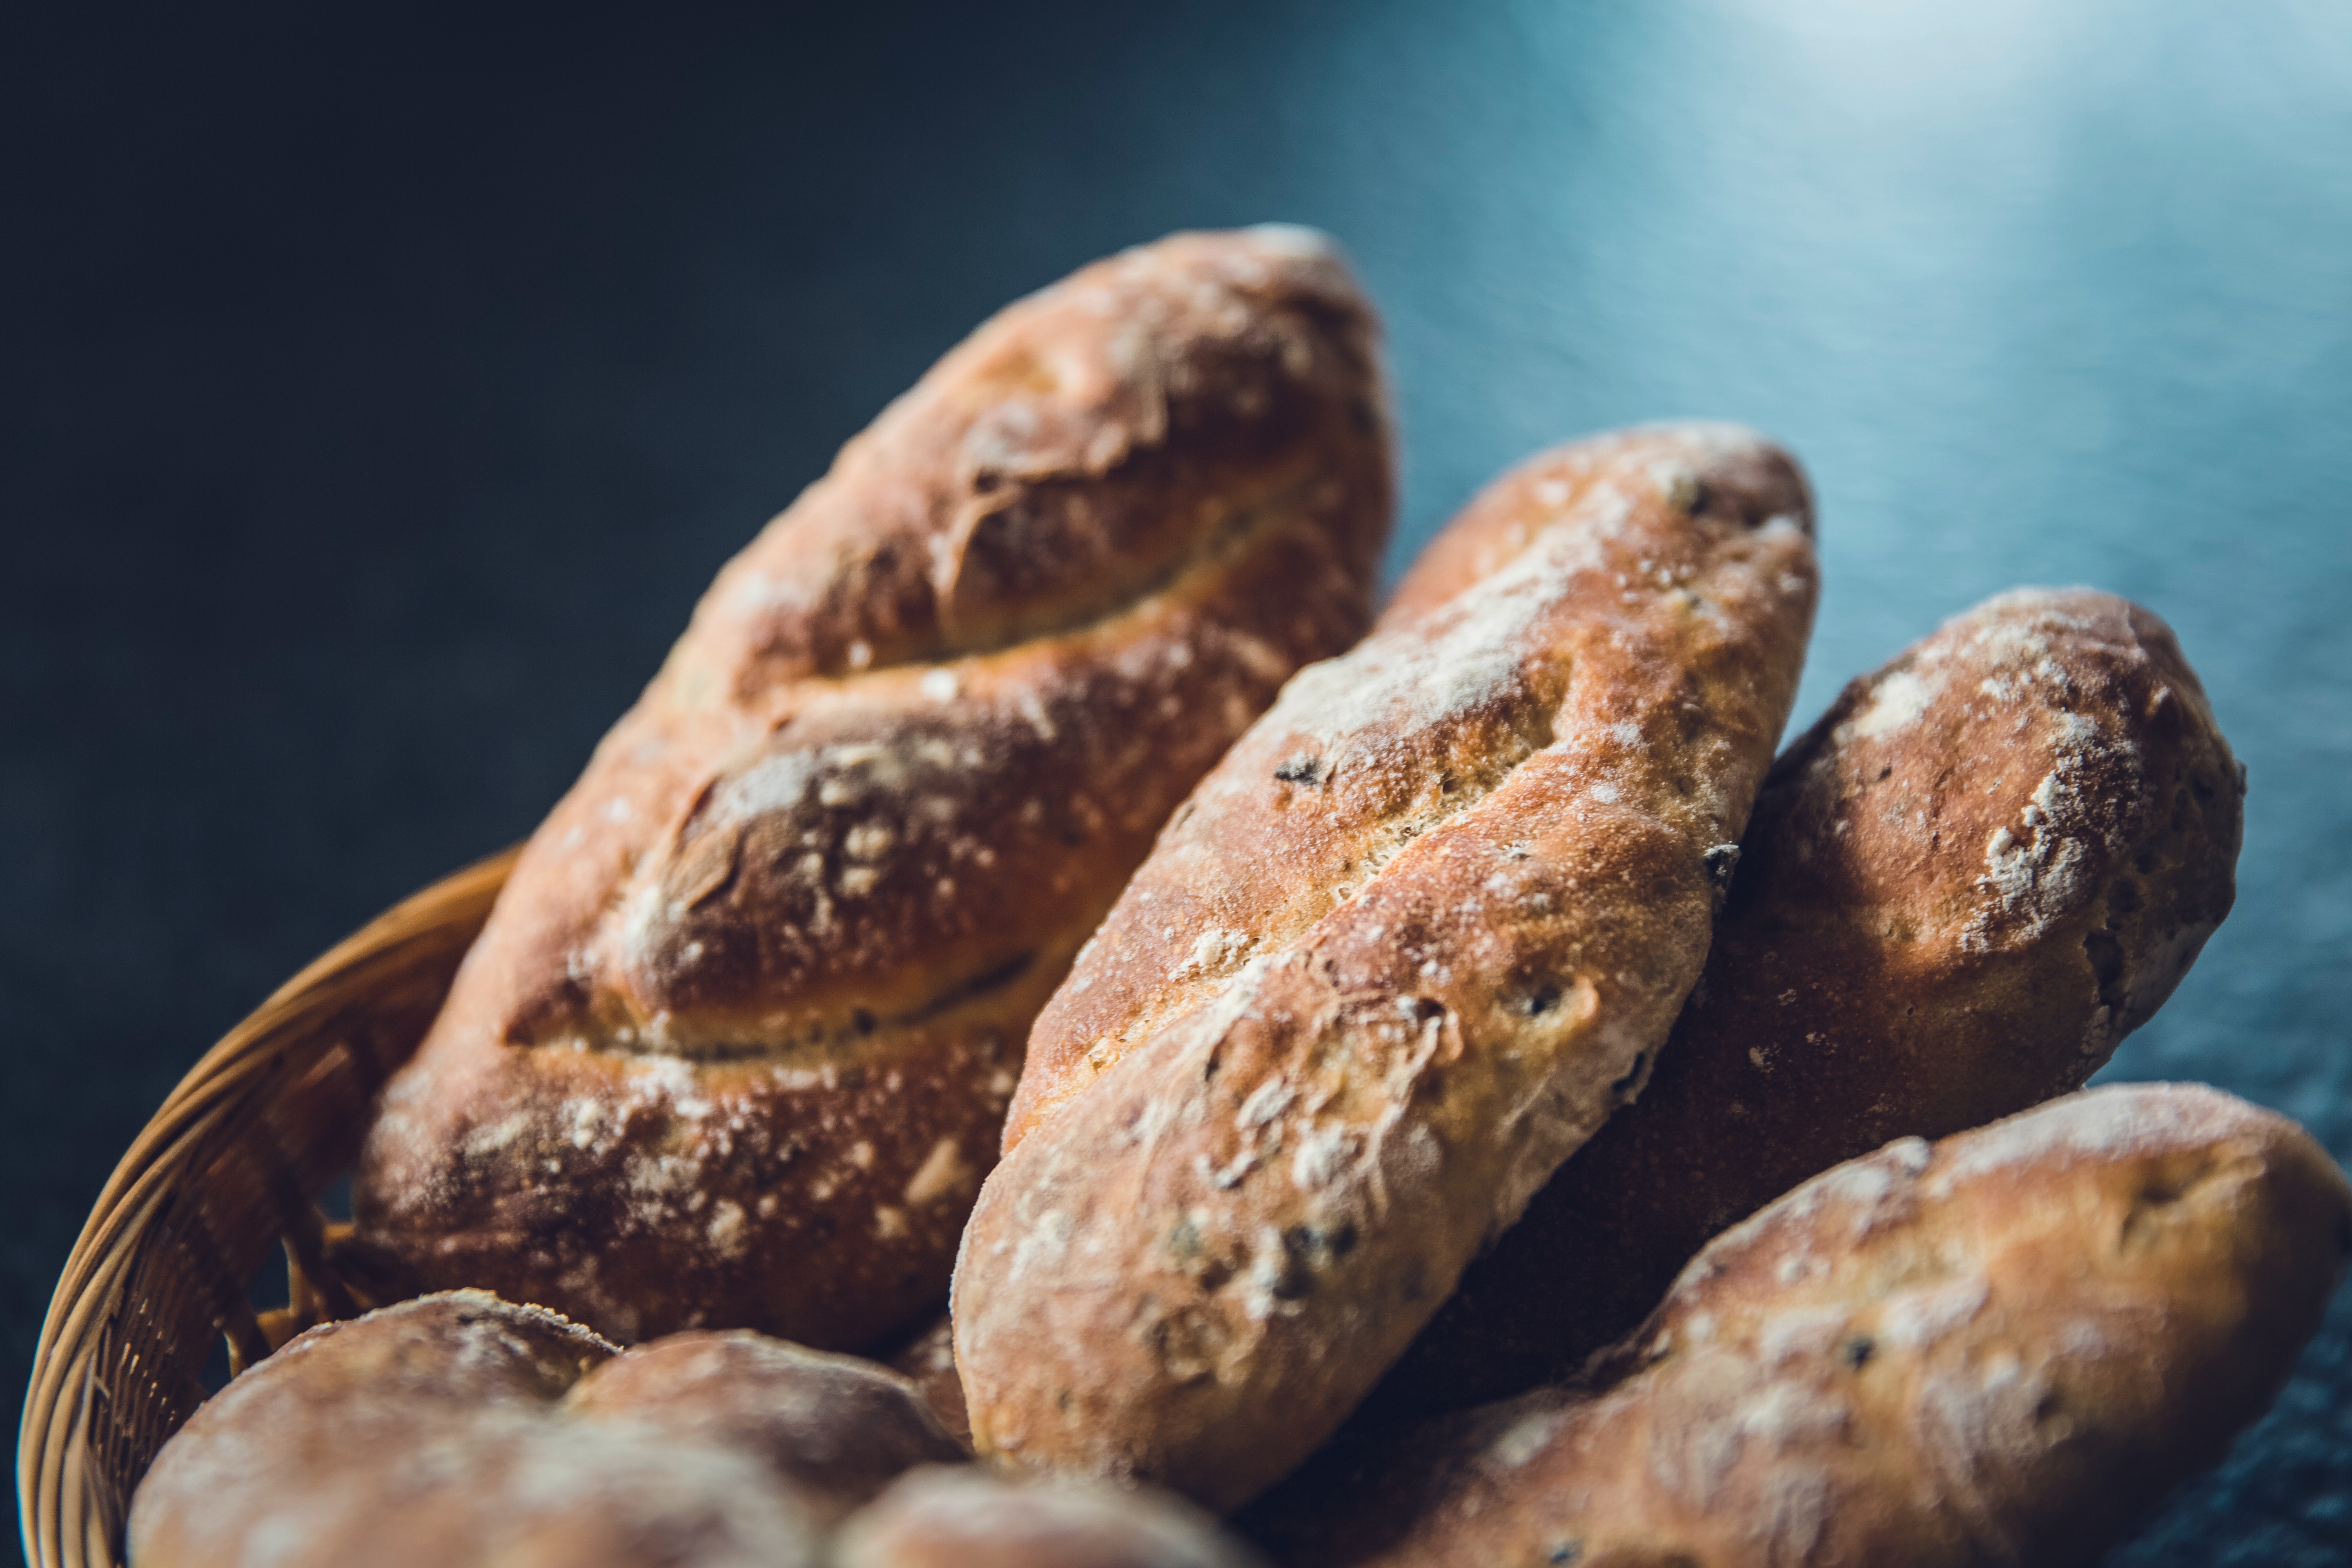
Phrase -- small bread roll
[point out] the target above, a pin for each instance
(1986, 864)
(735, 1045)
(1401, 951)
(2000, 1348)
(966, 1517)
(841, 1428)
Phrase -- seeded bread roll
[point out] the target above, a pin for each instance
(1988, 863)
(1403, 950)
(735, 1045)
(2001, 1348)
(432, 1432)
(966, 1517)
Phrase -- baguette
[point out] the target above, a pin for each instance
(735, 1045)
(1986, 864)
(2003, 1348)
(1417, 934)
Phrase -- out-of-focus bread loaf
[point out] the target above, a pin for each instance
(434, 1431)
(966, 1517)
(839, 1427)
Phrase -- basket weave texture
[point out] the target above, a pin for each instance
(231, 1166)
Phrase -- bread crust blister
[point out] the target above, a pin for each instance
(736, 1045)
(1989, 861)
(1400, 953)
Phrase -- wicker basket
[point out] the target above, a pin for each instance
(231, 1164)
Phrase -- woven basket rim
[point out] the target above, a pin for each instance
(69, 1516)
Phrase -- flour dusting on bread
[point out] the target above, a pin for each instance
(1471, 862)
(736, 1043)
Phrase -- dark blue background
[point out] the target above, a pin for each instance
(379, 392)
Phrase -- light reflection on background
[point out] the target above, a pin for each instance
(2053, 293)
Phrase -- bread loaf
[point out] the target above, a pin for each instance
(434, 1431)
(838, 1428)
(2002, 1348)
(1987, 862)
(459, 1428)
(966, 1517)
(1400, 953)
(735, 1045)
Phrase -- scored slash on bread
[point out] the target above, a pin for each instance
(1461, 882)
(736, 1044)
(2003, 1348)
(1986, 864)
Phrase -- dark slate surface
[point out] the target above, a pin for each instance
(379, 394)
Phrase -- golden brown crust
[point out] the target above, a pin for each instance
(1987, 862)
(735, 1044)
(966, 1517)
(2001, 1348)
(1282, 832)
(1499, 524)
(1400, 953)
(839, 1427)
(427, 1433)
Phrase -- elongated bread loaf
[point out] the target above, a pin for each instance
(2000, 1348)
(736, 1045)
(1987, 862)
(1417, 934)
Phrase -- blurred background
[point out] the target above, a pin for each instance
(378, 390)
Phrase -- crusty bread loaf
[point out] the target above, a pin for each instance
(2000, 1348)
(1987, 862)
(1399, 955)
(966, 1517)
(735, 1045)
(430, 1433)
